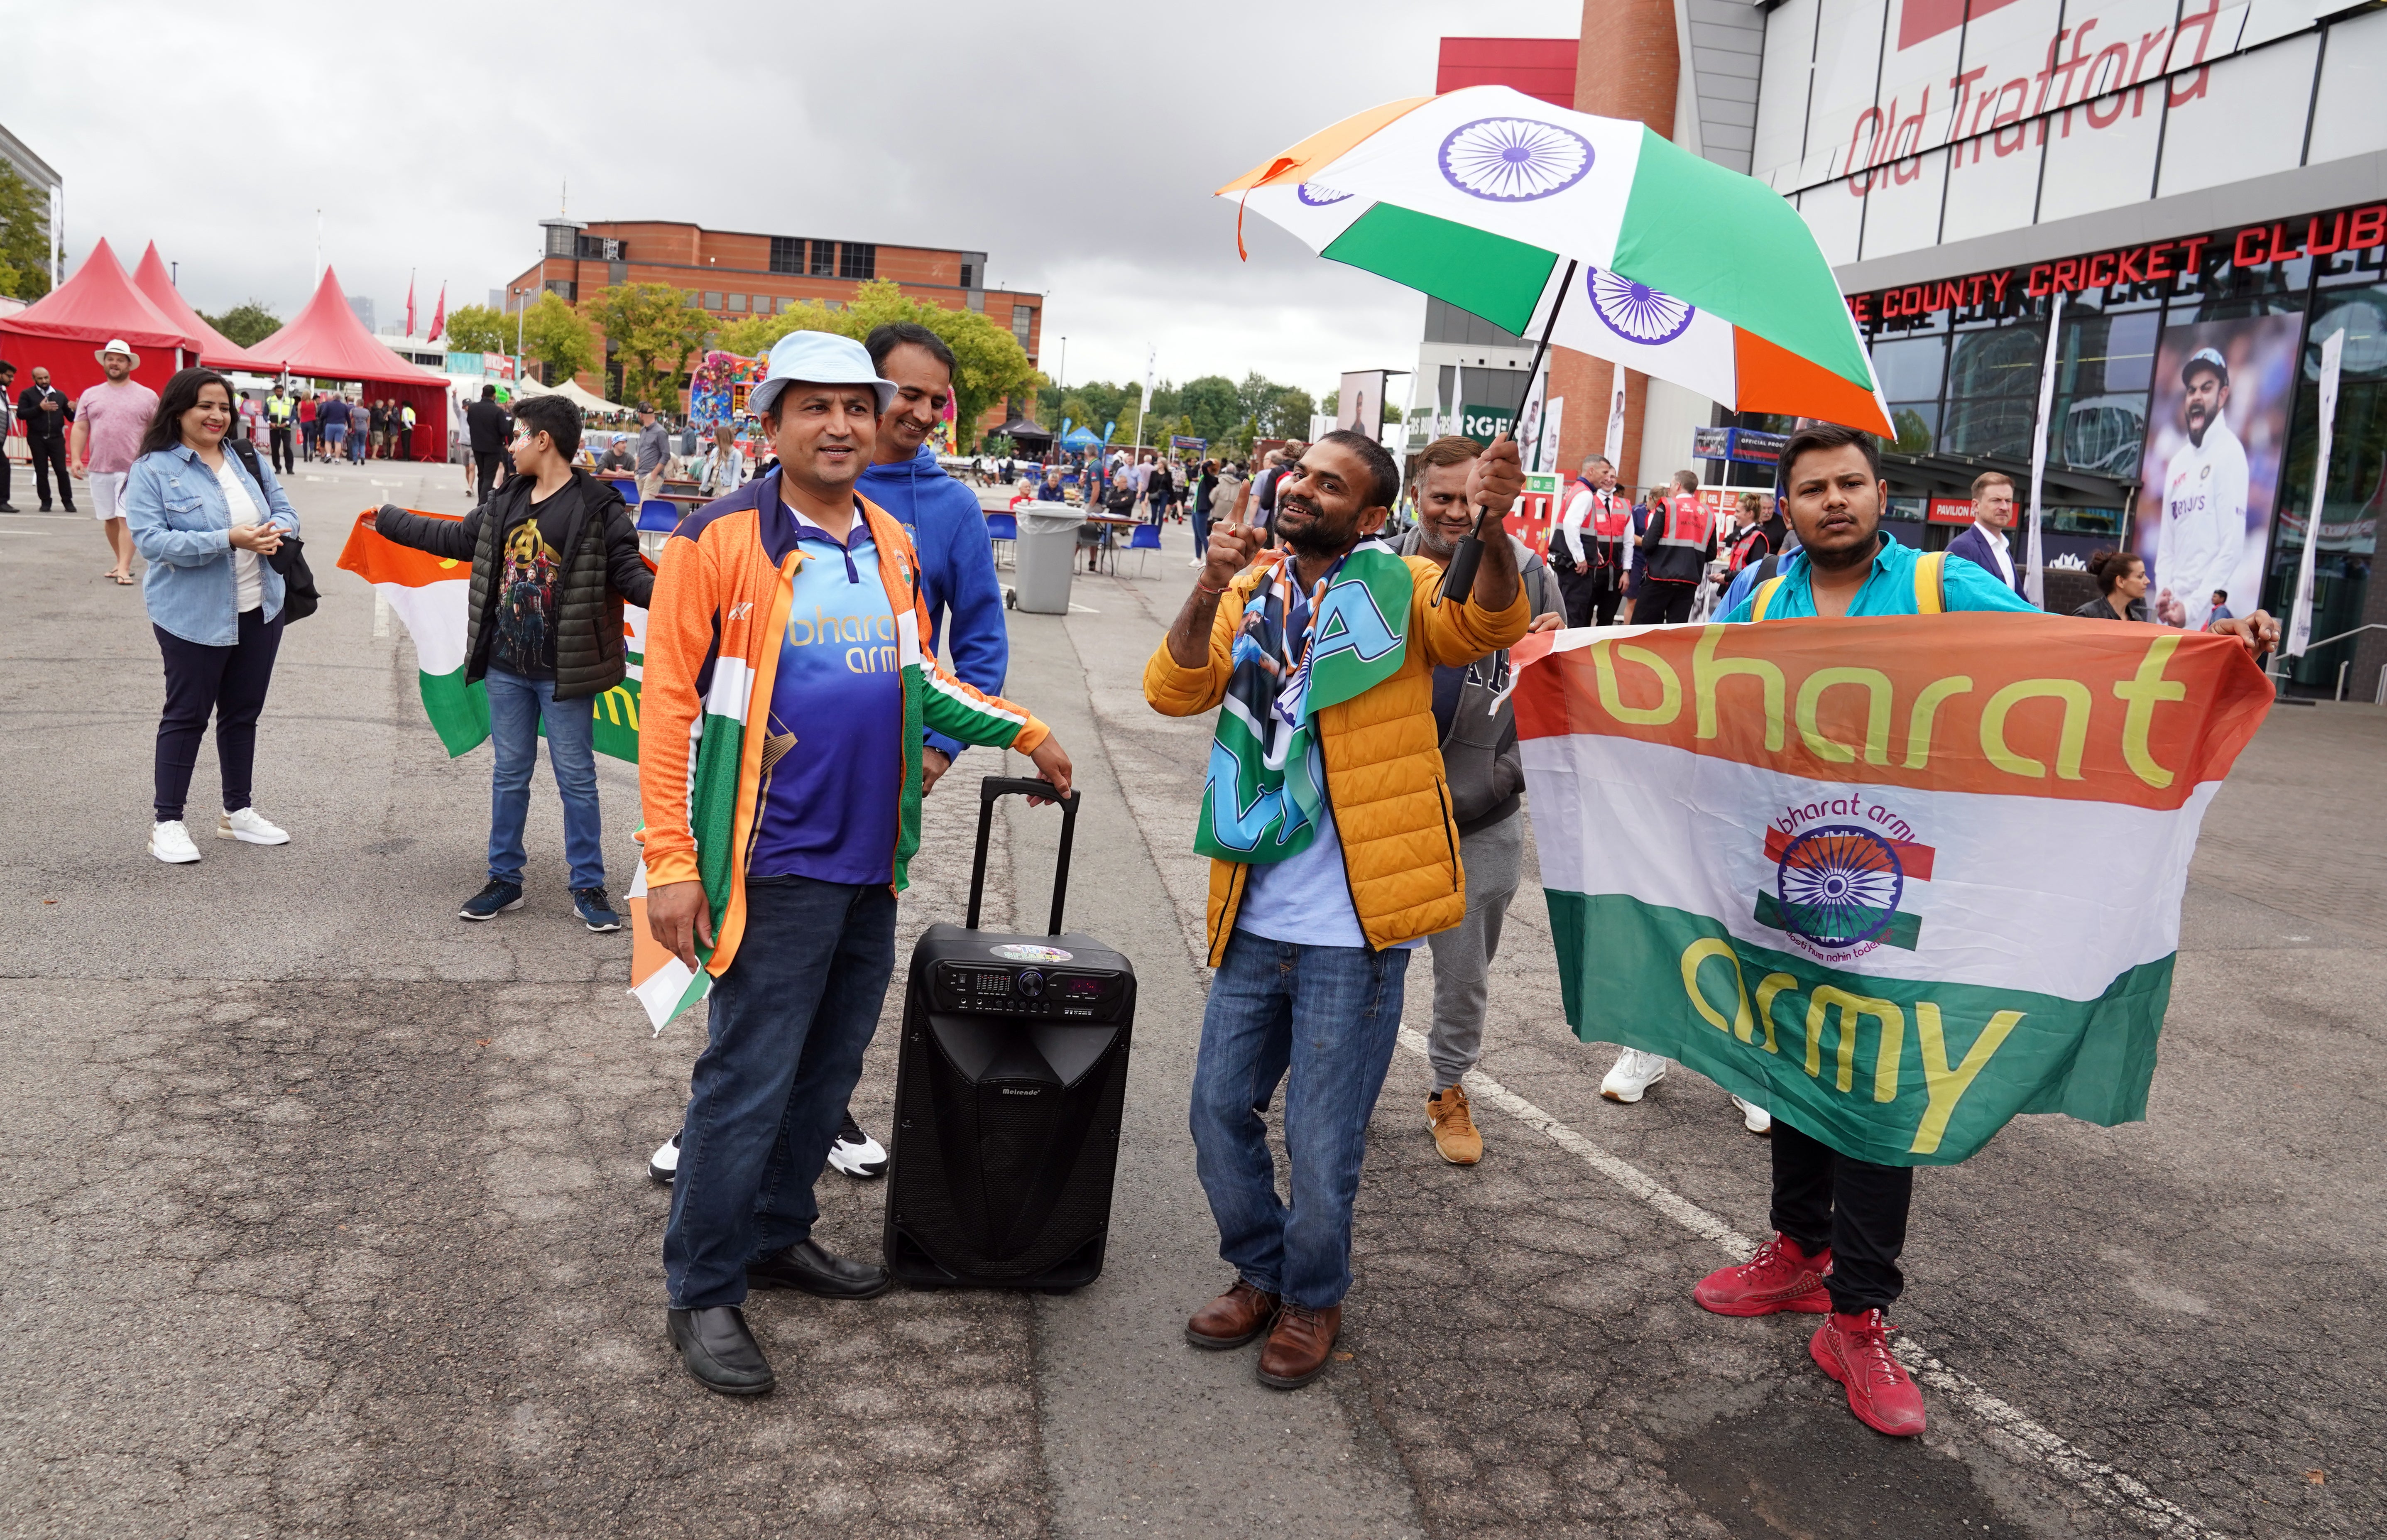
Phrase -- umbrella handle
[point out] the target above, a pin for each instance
(1458, 578)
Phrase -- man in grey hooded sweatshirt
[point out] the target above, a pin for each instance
(1487, 777)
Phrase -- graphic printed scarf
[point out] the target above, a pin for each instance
(1296, 654)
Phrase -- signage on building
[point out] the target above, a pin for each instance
(1949, 510)
(2154, 261)
(1748, 445)
(1179, 441)
(1939, 121)
(1485, 424)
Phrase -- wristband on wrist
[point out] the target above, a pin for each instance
(1201, 587)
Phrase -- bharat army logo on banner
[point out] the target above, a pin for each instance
(1841, 889)
(1864, 873)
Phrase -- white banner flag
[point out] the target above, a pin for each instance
(2332, 352)
(2035, 583)
(1546, 457)
(1614, 448)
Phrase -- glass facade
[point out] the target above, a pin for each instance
(1964, 380)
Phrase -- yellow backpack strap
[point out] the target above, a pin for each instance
(1931, 584)
(1765, 592)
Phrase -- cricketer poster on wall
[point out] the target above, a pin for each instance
(2217, 430)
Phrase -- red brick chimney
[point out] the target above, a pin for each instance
(1626, 67)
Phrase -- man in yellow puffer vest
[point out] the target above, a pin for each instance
(1354, 857)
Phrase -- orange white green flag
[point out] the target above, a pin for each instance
(432, 596)
(1897, 879)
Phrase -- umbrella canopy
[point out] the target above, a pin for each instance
(100, 304)
(217, 350)
(1680, 268)
(1083, 439)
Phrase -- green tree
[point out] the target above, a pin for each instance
(478, 329)
(1913, 433)
(989, 363)
(553, 333)
(244, 324)
(1256, 396)
(657, 332)
(1288, 414)
(1210, 402)
(24, 236)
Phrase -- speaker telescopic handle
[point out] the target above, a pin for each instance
(993, 789)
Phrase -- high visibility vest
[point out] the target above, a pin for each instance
(1611, 516)
(1689, 522)
(277, 410)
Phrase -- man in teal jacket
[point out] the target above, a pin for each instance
(1840, 1222)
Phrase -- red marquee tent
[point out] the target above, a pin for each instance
(64, 329)
(327, 341)
(216, 350)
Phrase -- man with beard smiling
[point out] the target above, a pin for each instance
(1840, 1222)
(1333, 853)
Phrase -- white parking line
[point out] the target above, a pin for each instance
(2115, 1489)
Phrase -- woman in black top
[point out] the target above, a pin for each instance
(2122, 578)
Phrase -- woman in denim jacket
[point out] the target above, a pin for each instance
(205, 520)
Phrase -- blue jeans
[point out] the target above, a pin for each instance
(1326, 1018)
(790, 1020)
(516, 706)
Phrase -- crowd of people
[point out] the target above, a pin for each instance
(1403, 830)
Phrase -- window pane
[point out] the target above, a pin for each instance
(1993, 390)
(712, 299)
(824, 259)
(1910, 369)
(1918, 426)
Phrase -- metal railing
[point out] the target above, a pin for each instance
(2280, 677)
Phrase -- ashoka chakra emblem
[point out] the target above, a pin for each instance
(1635, 311)
(1316, 197)
(1840, 886)
(1514, 160)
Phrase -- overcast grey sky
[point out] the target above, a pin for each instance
(1076, 146)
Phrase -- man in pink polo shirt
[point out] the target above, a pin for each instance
(110, 420)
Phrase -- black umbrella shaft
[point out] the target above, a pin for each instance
(1458, 578)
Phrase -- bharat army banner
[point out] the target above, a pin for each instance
(1895, 879)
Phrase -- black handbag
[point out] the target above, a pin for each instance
(289, 559)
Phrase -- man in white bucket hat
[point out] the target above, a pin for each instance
(110, 420)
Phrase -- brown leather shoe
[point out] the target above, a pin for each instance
(1299, 1346)
(1233, 1318)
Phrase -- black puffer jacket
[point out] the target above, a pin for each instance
(591, 531)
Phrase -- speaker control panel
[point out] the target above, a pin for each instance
(1058, 993)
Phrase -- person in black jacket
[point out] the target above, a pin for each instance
(490, 430)
(555, 555)
(45, 411)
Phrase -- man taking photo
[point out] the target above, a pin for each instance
(1840, 1222)
(1311, 920)
(1486, 774)
(554, 558)
(45, 411)
(786, 655)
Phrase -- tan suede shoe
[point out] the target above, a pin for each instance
(1233, 1318)
(1299, 1346)
(1448, 1115)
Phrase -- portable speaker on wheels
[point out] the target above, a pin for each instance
(1008, 1085)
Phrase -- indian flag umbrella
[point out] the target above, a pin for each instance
(1594, 232)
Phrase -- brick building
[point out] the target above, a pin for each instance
(735, 276)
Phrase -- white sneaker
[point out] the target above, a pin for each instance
(172, 844)
(250, 828)
(663, 1164)
(855, 1153)
(1755, 1119)
(1634, 1073)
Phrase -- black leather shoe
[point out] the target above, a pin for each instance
(719, 1351)
(806, 1267)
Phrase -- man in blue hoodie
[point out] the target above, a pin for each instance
(948, 530)
(947, 527)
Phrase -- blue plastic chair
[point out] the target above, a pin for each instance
(1146, 538)
(1002, 529)
(627, 486)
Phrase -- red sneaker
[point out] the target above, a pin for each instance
(1855, 1351)
(1780, 1277)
